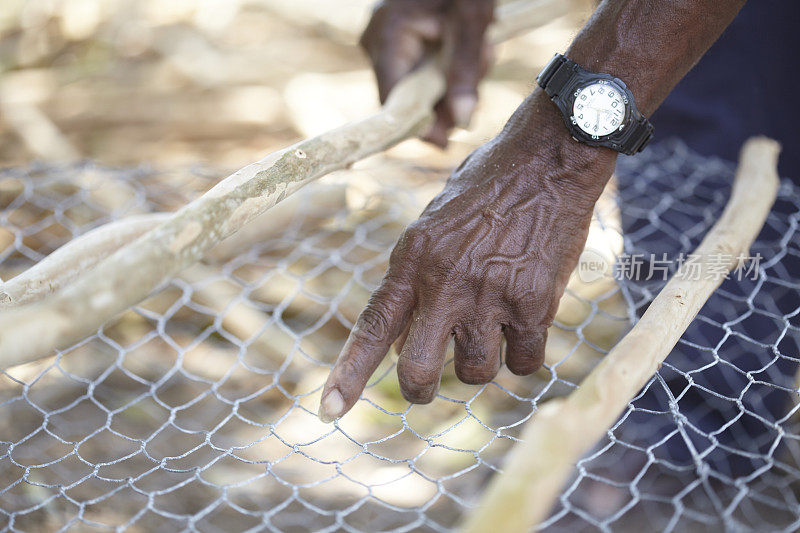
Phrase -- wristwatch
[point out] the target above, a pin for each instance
(598, 108)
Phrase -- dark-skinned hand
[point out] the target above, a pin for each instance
(403, 33)
(489, 257)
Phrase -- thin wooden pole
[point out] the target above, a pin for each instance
(565, 429)
(127, 276)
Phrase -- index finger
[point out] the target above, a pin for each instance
(377, 327)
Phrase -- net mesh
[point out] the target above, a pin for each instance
(196, 409)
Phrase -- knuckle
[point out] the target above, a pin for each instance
(525, 312)
(525, 350)
(526, 334)
(412, 242)
(372, 325)
(441, 271)
(532, 309)
(418, 382)
(477, 358)
(446, 273)
(390, 292)
(495, 287)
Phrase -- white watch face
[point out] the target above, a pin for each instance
(599, 109)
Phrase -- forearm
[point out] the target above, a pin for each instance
(649, 44)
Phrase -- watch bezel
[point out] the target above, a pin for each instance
(609, 83)
(566, 101)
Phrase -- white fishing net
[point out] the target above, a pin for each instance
(196, 409)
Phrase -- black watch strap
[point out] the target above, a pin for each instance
(559, 72)
(639, 135)
(556, 74)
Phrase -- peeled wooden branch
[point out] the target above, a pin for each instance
(130, 274)
(319, 203)
(565, 429)
(73, 259)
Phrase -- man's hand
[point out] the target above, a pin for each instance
(403, 33)
(489, 257)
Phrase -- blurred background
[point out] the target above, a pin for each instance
(213, 82)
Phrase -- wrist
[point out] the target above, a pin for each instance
(540, 147)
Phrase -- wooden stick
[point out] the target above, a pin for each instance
(319, 204)
(134, 271)
(70, 261)
(565, 429)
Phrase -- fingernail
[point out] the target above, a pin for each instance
(463, 105)
(331, 406)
